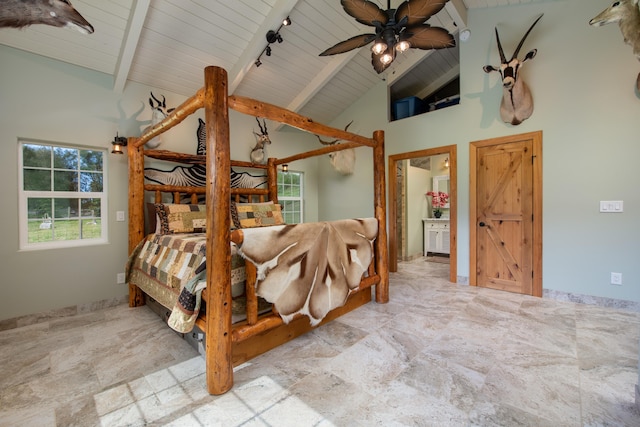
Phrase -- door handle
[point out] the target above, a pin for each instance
(482, 224)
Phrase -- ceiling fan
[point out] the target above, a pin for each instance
(396, 30)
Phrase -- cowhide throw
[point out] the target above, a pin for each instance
(310, 268)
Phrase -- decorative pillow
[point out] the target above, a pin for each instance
(182, 218)
(259, 214)
(179, 218)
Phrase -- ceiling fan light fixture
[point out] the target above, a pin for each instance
(387, 57)
(402, 46)
(394, 30)
(378, 47)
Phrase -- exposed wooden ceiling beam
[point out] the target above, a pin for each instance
(278, 13)
(130, 43)
(458, 12)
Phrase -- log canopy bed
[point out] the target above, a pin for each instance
(349, 256)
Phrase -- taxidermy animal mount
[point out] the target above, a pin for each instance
(57, 13)
(342, 161)
(517, 103)
(259, 151)
(159, 111)
(627, 14)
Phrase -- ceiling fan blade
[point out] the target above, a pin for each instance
(418, 11)
(377, 64)
(427, 37)
(349, 44)
(365, 12)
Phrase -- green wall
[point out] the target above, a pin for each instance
(582, 81)
(54, 101)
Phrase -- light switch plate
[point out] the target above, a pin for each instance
(612, 206)
(120, 216)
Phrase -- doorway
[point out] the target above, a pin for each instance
(506, 213)
(395, 197)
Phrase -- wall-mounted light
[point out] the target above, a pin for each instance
(285, 168)
(118, 142)
(272, 37)
(446, 162)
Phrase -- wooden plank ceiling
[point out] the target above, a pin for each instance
(166, 44)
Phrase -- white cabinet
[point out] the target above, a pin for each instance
(436, 235)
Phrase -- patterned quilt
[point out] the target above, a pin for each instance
(170, 269)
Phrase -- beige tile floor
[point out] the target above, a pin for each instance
(437, 355)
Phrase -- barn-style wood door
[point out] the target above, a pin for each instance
(506, 213)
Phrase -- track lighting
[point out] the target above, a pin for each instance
(272, 37)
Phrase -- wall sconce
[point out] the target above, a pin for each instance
(272, 37)
(446, 162)
(118, 142)
(285, 168)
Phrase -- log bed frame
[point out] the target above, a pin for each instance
(228, 345)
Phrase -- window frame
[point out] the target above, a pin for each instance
(25, 195)
(290, 198)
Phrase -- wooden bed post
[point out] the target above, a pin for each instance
(380, 208)
(272, 179)
(136, 210)
(218, 329)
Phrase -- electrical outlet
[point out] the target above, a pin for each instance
(616, 278)
(120, 278)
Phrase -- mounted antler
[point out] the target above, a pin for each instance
(57, 13)
(627, 14)
(517, 102)
(258, 152)
(159, 112)
(342, 161)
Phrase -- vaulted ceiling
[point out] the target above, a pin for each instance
(166, 44)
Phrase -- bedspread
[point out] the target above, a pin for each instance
(170, 269)
(310, 268)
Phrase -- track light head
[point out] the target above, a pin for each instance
(272, 36)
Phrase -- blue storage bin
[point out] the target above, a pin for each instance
(407, 107)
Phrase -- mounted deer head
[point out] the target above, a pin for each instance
(342, 161)
(57, 13)
(259, 152)
(159, 111)
(517, 103)
(627, 14)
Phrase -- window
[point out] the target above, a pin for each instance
(62, 196)
(291, 196)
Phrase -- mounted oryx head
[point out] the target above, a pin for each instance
(159, 111)
(627, 14)
(342, 161)
(57, 13)
(259, 151)
(517, 103)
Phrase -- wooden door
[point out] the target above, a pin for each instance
(506, 213)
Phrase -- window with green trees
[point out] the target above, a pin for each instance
(291, 196)
(62, 195)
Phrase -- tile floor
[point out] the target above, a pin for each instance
(437, 355)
